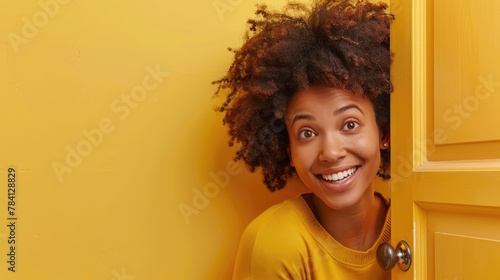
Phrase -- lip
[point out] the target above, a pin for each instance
(339, 186)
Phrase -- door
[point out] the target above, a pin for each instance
(446, 137)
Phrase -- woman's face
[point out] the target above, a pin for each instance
(334, 144)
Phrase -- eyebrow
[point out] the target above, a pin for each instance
(347, 107)
(339, 111)
(303, 117)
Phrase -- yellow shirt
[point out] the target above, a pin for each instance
(287, 242)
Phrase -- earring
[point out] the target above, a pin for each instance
(385, 145)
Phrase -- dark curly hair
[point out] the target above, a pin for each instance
(337, 43)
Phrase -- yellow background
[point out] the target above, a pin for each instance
(67, 66)
(105, 164)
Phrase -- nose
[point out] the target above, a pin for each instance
(332, 148)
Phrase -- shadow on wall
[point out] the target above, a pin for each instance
(227, 200)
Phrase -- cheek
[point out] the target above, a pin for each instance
(303, 157)
(368, 147)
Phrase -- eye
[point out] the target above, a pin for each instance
(350, 125)
(306, 133)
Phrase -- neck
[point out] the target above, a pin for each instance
(357, 227)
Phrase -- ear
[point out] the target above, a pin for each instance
(384, 141)
(290, 155)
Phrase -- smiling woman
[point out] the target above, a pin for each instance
(322, 75)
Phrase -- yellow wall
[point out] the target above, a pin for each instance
(106, 116)
(106, 151)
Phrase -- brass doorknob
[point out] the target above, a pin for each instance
(388, 257)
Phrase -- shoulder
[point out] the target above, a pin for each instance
(273, 243)
(286, 218)
(278, 224)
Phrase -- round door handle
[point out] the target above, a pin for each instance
(388, 257)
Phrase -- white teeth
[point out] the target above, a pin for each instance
(341, 175)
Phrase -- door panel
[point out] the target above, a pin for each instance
(467, 90)
(446, 137)
(456, 253)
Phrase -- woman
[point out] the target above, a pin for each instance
(308, 95)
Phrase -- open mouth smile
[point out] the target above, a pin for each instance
(337, 177)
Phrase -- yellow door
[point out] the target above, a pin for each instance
(446, 137)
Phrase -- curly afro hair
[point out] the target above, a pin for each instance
(336, 43)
